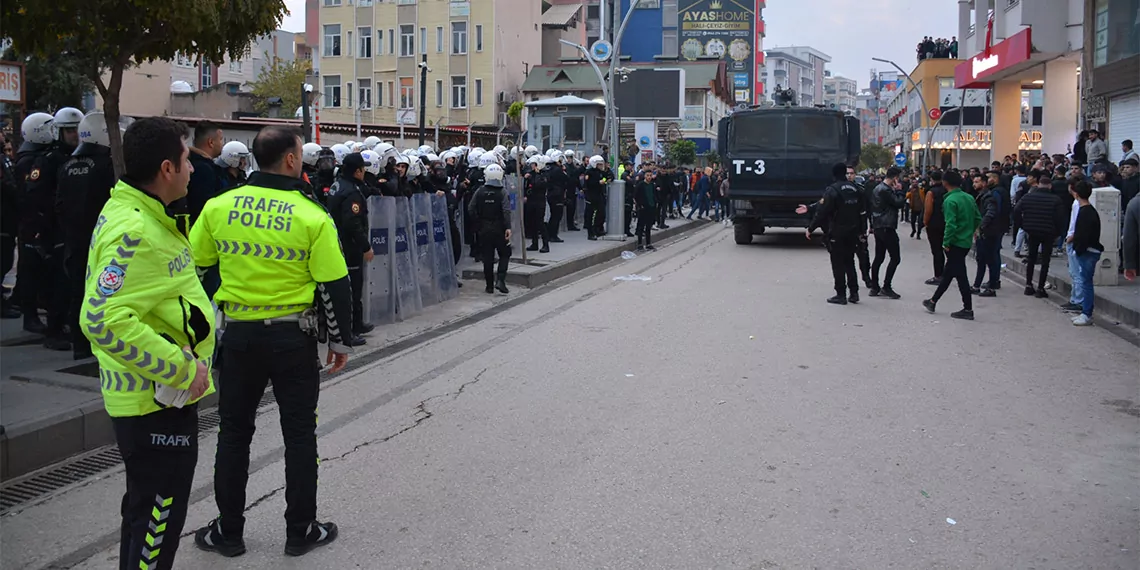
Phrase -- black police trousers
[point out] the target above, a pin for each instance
(571, 208)
(492, 243)
(160, 451)
(628, 219)
(59, 296)
(595, 217)
(76, 268)
(31, 280)
(7, 253)
(864, 255)
(356, 282)
(555, 216)
(842, 252)
(257, 354)
(533, 211)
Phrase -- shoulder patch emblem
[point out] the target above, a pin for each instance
(111, 280)
(34, 175)
(355, 208)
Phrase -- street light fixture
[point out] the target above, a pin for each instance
(925, 109)
(601, 79)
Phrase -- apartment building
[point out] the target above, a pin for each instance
(478, 52)
(202, 75)
(798, 67)
(839, 92)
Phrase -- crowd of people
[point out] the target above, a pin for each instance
(941, 48)
(1041, 206)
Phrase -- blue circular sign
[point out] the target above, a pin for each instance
(900, 160)
(601, 50)
(644, 142)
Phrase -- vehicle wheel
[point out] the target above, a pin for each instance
(742, 233)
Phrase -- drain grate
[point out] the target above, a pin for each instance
(23, 490)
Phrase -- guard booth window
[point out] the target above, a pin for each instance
(574, 129)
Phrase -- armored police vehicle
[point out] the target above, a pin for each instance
(779, 157)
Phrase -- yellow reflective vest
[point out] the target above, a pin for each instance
(142, 303)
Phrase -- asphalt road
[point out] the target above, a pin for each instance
(720, 415)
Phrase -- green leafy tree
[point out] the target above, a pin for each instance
(875, 156)
(712, 157)
(682, 152)
(281, 79)
(112, 35)
(515, 111)
(52, 81)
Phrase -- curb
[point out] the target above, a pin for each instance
(573, 265)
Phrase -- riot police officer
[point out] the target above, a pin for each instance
(233, 163)
(85, 182)
(557, 188)
(9, 224)
(843, 210)
(35, 210)
(574, 185)
(281, 269)
(534, 203)
(596, 179)
(492, 213)
(470, 181)
(348, 205)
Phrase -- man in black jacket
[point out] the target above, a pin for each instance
(935, 225)
(348, 206)
(988, 244)
(887, 200)
(1041, 215)
(843, 210)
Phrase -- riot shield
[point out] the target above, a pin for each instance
(424, 251)
(514, 195)
(407, 288)
(446, 282)
(379, 279)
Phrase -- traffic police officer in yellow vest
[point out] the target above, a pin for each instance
(152, 329)
(282, 269)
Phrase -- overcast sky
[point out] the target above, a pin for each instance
(850, 31)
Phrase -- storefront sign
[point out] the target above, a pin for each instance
(722, 29)
(694, 117)
(460, 9)
(971, 73)
(981, 137)
(12, 82)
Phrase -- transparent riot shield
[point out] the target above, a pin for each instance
(379, 279)
(424, 251)
(407, 288)
(446, 282)
(514, 195)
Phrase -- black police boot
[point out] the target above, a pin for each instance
(545, 248)
(854, 297)
(211, 539)
(837, 300)
(319, 534)
(874, 290)
(533, 246)
(890, 293)
(490, 287)
(357, 340)
(33, 324)
(364, 328)
(7, 311)
(501, 285)
(57, 342)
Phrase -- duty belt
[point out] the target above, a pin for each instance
(307, 319)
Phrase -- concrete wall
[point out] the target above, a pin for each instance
(146, 90)
(214, 103)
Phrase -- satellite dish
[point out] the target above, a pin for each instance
(181, 87)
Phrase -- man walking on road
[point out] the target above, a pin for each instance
(961, 221)
(935, 223)
(888, 200)
(1041, 216)
(988, 243)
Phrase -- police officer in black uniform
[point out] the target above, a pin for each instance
(627, 176)
(596, 178)
(36, 211)
(557, 187)
(844, 210)
(9, 224)
(85, 183)
(348, 205)
(534, 204)
(491, 211)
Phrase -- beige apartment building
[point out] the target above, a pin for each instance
(478, 52)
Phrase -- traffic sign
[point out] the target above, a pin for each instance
(935, 113)
(900, 160)
(601, 50)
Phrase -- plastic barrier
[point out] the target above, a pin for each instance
(443, 270)
(424, 251)
(407, 289)
(380, 280)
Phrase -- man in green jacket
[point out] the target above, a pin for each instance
(962, 222)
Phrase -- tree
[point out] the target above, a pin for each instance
(282, 79)
(712, 157)
(875, 156)
(515, 111)
(682, 152)
(54, 81)
(112, 35)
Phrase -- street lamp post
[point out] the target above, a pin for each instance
(306, 118)
(925, 109)
(424, 69)
(601, 79)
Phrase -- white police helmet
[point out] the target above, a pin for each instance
(487, 159)
(557, 156)
(447, 154)
(550, 152)
(530, 151)
(426, 149)
(401, 159)
(232, 154)
(569, 155)
(537, 159)
(68, 117)
(480, 149)
(596, 161)
(371, 161)
(514, 151)
(93, 129)
(349, 143)
(37, 128)
(473, 157)
(499, 150)
(415, 168)
(493, 175)
(432, 157)
(371, 142)
(340, 151)
(309, 153)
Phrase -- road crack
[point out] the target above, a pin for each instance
(421, 415)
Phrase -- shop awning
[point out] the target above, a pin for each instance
(978, 71)
(560, 15)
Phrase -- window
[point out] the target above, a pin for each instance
(438, 92)
(669, 42)
(694, 97)
(764, 133)
(183, 60)
(946, 82)
(478, 37)
(365, 38)
(379, 93)
(379, 42)
(207, 76)
(1116, 35)
(458, 92)
(599, 126)
(406, 2)
(364, 93)
(458, 38)
(439, 39)
(332, 90)
(593, 12)
(330, 3)
(391, 94)
(648, 4)
(574, 129)
(407, 93)
(363, 3)
(348, 43)
(332, 40)
(235, 66)
(407, 40)
(668, 13)
(479, 92)
(391, 41)
(423, 40)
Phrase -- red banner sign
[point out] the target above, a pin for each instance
(971, 73)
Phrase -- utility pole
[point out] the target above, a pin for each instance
(306, 118)
(424, 69)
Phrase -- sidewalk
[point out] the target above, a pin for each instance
(1113, 304)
